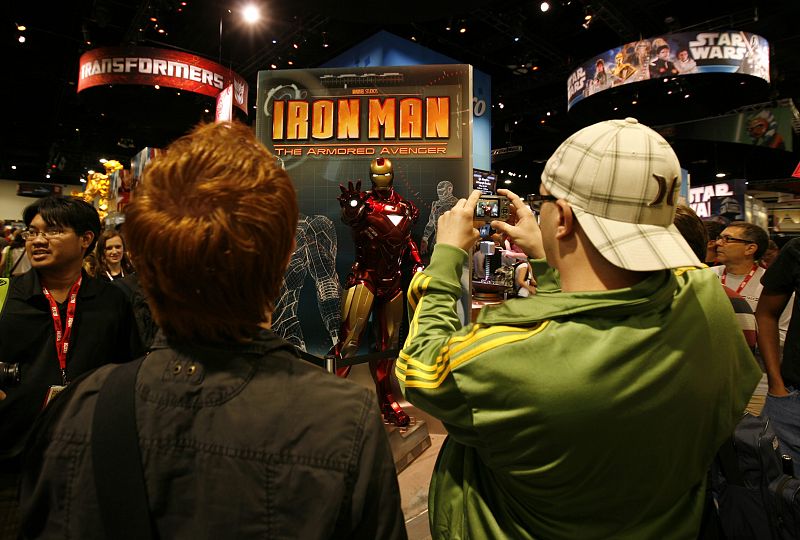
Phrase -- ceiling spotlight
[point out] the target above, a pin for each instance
(153, 19)
(413, 38)
(251, 13)
(90, 171)
(161, 30)
(535, 68)
(544, 6)
(205, 111)
(720, 175)
(508, 181)
(274, 41)
(548, 113)
(634, 102)
(47, 175)
(13, 167)
(273, 66)
(686, 96)
(183, 3)
(103, 160)
(500, 105)
(325, 39)
(21, 27)
(157, 87)
(295, 45)
(516, 39)
(83, 180)
(290, 63)
(21, 39)
(587, 20)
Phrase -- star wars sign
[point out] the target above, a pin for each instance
(700, 197)
(151, 66)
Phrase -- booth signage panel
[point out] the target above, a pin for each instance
(670, 55)
(326, 125)
(150, 66)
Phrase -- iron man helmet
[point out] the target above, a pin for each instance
(381, 173)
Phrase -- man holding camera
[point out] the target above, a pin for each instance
(57, 323)
(594, 408)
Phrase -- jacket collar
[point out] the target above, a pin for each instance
(264, 342)
(654, 292)
(29, 286)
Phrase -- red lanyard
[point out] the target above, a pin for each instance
(63, 333)
(744, 282)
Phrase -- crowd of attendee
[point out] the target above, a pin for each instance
(593, 408)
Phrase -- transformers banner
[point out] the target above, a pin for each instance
(671, 55)
(150, 66)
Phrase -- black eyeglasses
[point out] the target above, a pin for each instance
(726, 238)
(536, 201)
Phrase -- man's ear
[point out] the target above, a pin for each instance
(750, 249)
(86, 240)
(565, 219)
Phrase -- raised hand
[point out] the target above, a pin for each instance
(526, 233)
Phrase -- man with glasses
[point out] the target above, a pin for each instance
(594, 408)
(739, 247)
(57, 323)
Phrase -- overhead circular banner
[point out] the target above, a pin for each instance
(150, 66)
(670, 55)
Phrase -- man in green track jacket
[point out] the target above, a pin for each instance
(594, 408)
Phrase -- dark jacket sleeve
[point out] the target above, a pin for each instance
(375, 510)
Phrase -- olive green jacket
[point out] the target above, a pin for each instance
(575, 415)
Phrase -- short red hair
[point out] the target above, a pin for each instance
(212, 228)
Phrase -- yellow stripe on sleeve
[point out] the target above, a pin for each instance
(433, 376)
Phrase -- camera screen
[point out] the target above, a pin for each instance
(488, 208)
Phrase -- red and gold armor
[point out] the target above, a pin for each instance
(381, 222)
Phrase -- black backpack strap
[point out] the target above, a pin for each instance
(117, 460)
(729, 463)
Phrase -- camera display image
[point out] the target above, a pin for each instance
(491, 207)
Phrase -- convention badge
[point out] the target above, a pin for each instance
(52, 392)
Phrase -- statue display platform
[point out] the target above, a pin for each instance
(407, 443)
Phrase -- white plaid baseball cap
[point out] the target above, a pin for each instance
(622, 180)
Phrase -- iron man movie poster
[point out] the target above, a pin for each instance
(326, 126)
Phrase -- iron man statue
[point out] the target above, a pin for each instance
(381, 222)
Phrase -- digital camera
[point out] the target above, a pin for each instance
(491, 207)
(9, 374)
